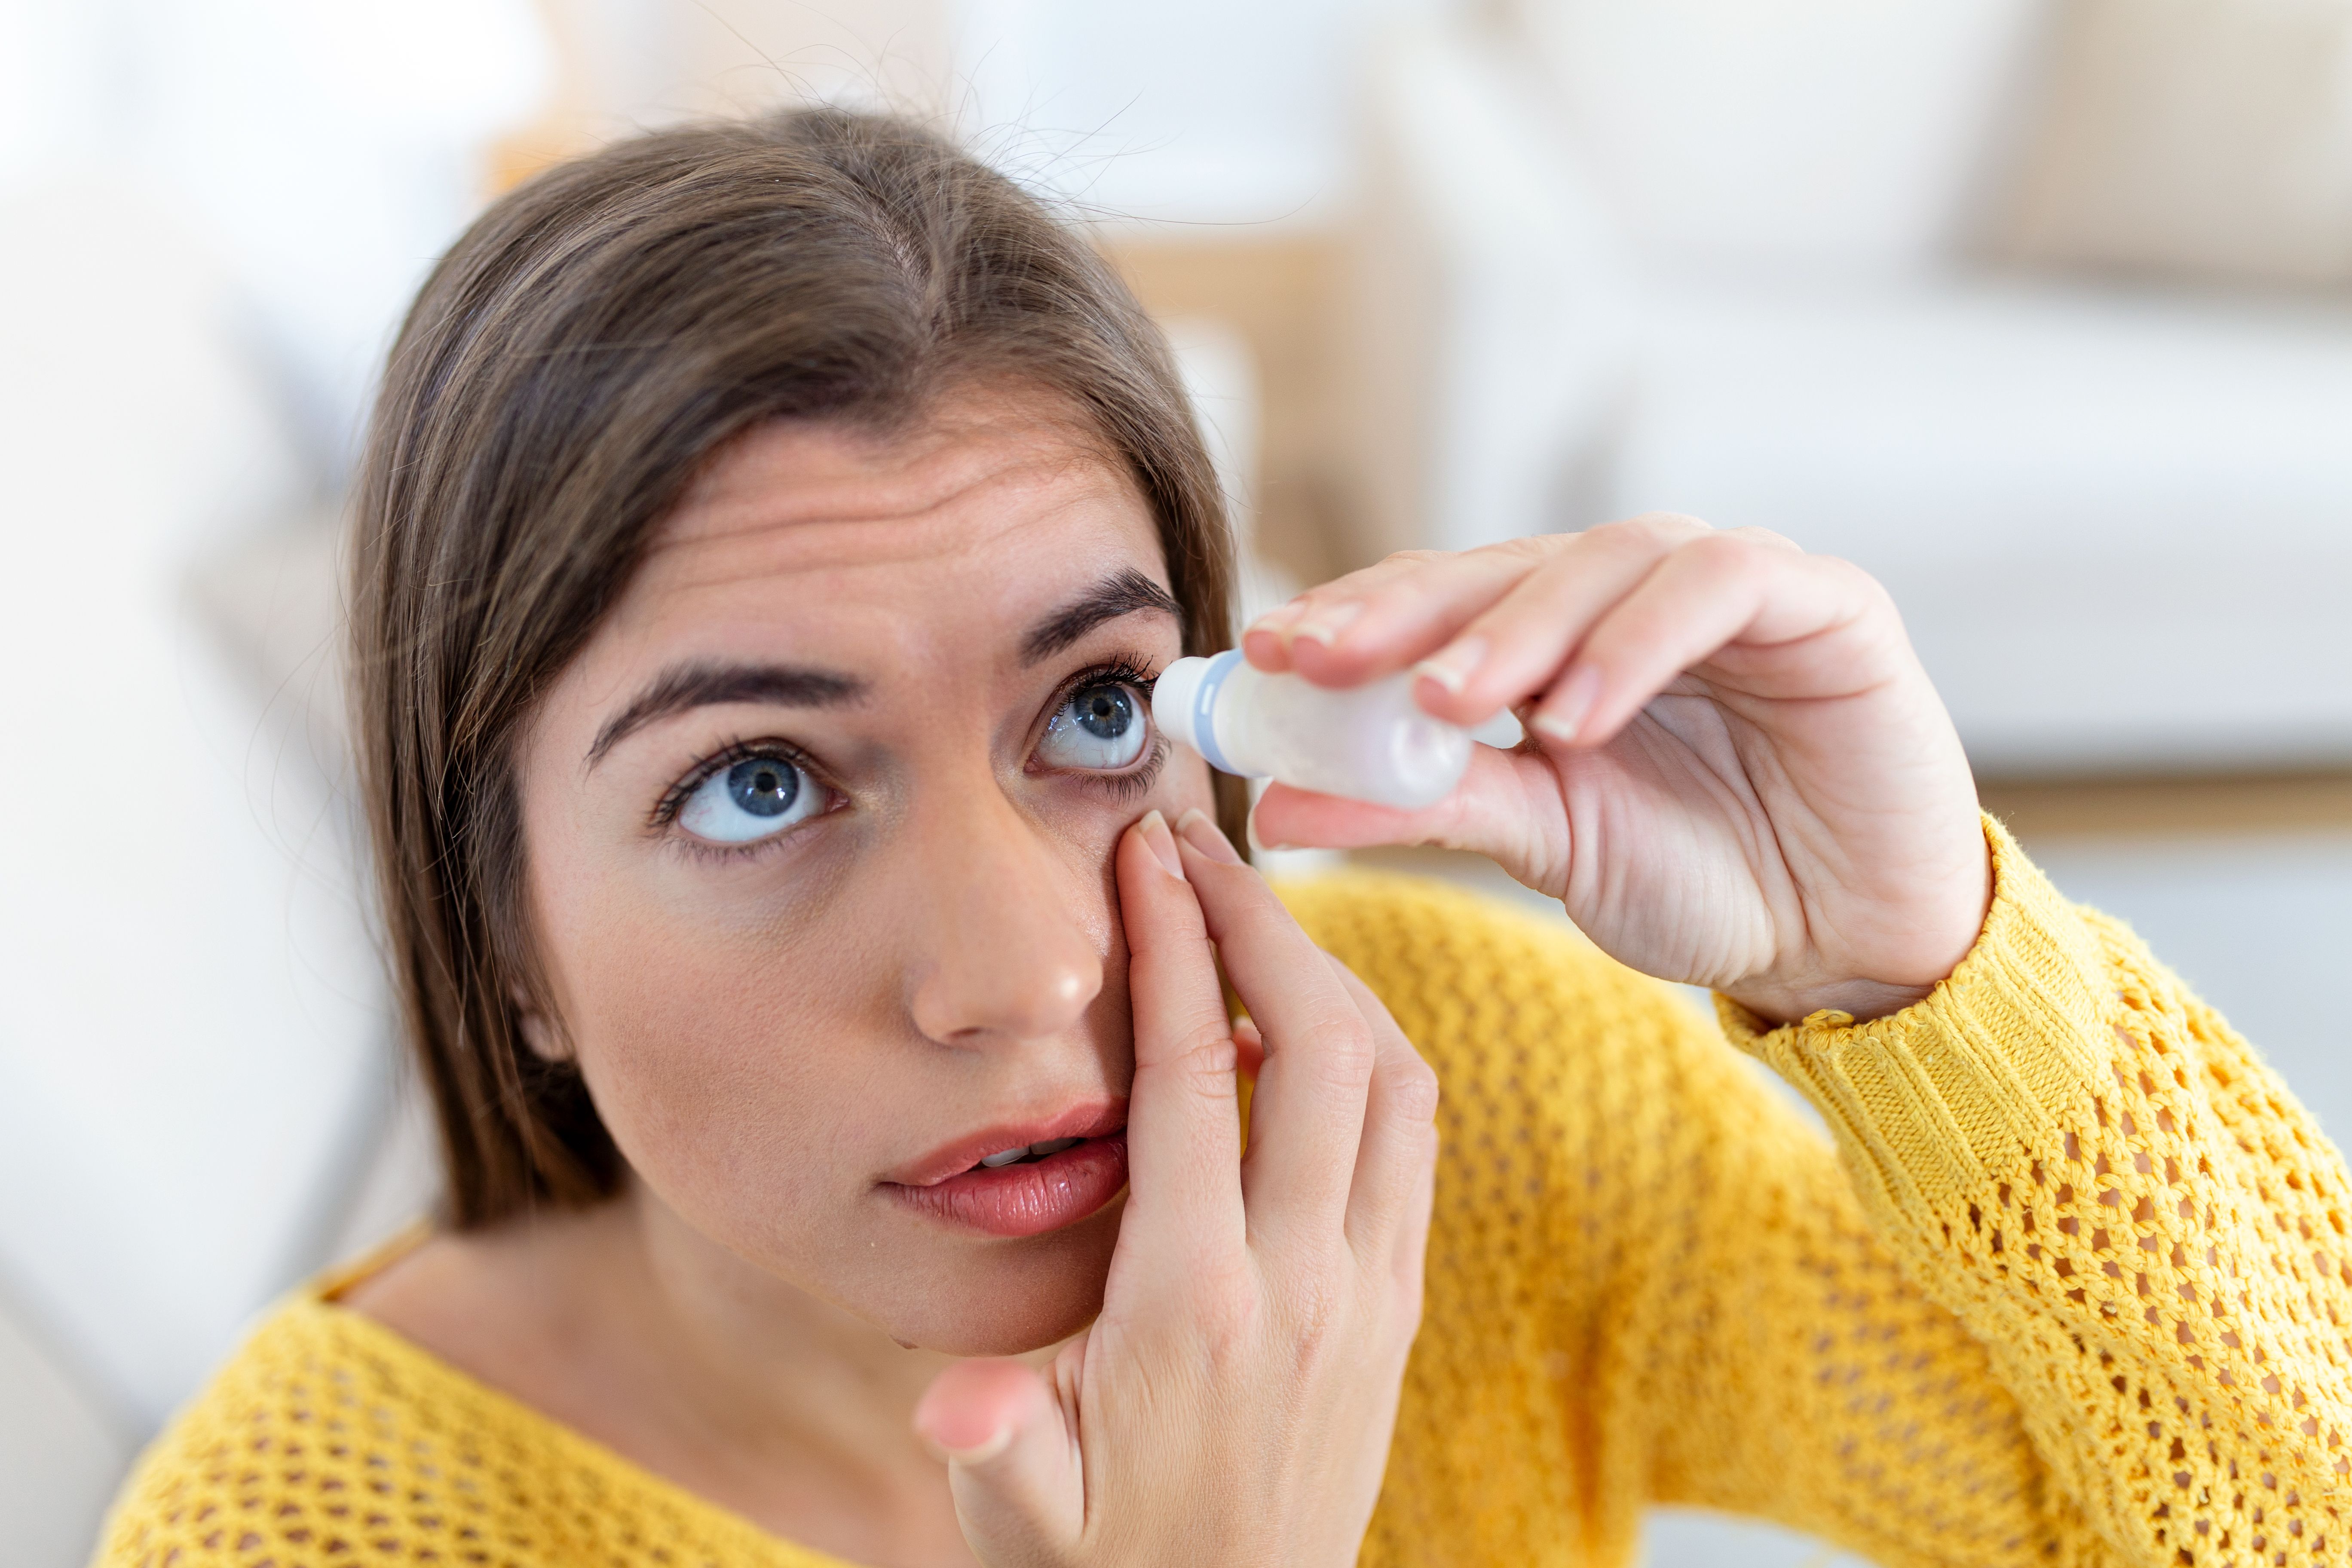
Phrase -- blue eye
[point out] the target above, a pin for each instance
(755, 798)
(1099, 727)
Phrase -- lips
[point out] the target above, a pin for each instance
(1040, 1190)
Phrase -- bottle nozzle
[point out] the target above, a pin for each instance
(1183, 703)
(1370, 742)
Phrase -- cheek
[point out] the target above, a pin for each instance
(1087, 828)
(720, 1066)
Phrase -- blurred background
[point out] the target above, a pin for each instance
(2039, 310)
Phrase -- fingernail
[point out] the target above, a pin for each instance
(1154, 829)
(1563, 714)
(1202, 835)
(1279, 617)
(1453, 666)
(979, 1453)
(1327, 622)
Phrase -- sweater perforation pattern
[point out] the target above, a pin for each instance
(2161, 1299)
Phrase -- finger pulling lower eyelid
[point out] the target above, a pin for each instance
(1153, 830)
(1203, 836)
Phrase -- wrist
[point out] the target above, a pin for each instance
(1859, 1000)
(1939, 922)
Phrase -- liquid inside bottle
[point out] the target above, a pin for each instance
(1370, 742)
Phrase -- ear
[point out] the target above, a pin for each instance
(545, 1042)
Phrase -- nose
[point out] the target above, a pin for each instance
(1004, 947)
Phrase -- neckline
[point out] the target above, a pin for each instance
(319, 1299)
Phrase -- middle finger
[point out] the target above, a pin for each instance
(1385, 617)
(1307, 1113)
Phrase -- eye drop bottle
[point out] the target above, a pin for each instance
(1370, 742)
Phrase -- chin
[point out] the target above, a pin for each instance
(1010, 1298)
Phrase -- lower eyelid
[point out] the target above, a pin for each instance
(695, 843)
(1134, 780)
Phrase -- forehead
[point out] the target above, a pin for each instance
(982, 512)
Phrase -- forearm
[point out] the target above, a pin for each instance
(2130, 1212)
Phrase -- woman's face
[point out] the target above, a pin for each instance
(819, 831)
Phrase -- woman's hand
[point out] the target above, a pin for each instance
(1736, 773)
(1234, 1401)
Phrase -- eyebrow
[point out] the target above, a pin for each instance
(1121, 594)
(684, 687)
(703, 685)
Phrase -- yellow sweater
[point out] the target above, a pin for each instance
(2071, 1286)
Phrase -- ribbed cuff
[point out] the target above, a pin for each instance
(1972, 1079)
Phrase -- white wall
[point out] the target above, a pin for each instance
(181, 1022)
(1216, 112)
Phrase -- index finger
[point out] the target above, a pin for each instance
(1410, 606)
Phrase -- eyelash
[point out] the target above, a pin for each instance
(1134, 780)
(674, 799)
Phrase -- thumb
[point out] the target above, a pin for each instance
(1012, 1461)
(1507, 807)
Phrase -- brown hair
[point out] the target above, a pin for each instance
(586, 345)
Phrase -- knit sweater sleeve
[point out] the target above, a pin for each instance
(2081, 1295)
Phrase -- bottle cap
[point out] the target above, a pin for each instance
(1184, 699)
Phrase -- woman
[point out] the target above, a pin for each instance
(769, 536)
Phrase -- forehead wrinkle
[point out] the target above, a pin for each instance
(853, 544)
(997, 514)
(766, 501)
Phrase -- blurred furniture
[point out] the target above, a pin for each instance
(1711, 256)
(1273, 289)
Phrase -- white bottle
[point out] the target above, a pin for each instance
(1370, 742)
